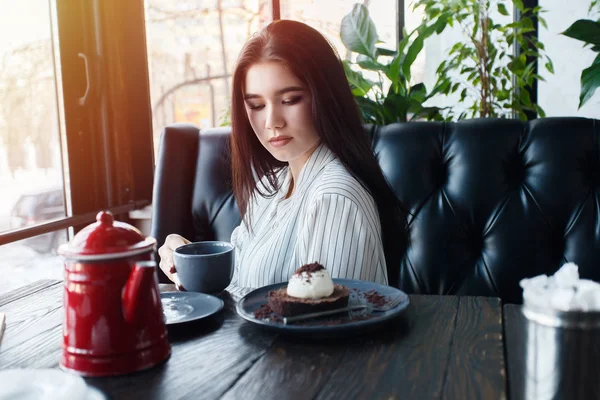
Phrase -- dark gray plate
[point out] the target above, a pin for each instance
(340, 324)
(180, 307)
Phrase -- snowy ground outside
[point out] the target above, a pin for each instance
(20, 264)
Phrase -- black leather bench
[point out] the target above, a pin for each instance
(492, 201)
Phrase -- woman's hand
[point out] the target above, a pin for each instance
(165, 252)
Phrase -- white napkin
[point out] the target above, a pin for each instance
(563, 291)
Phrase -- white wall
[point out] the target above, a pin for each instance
(559, 95)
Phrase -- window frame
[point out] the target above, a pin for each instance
(108, 123)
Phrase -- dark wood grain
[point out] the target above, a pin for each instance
(402, 361)
(202, 364)
(33, 337)
(406, 361)
(514, 332)
(443, 347)
(476, 367)
(21, 292)
(290, 370)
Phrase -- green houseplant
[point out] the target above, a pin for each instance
(389, 97)
(588, 31)
(490, 77)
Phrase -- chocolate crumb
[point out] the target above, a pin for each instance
(309, 268)
(375, 298)
(265, 312)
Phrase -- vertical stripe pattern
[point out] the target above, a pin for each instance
(330, 219)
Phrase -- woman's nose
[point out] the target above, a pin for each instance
(274, 119)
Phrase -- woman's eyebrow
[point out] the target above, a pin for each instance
(249, 96)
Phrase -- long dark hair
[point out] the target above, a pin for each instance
(337, 120)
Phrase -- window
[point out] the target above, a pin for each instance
(191, 62)
(31, 122)
(327, 18)
(192, 48)
(74, 139)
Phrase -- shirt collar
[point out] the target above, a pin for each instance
(319, 158)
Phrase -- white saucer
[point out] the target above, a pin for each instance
(45, 384)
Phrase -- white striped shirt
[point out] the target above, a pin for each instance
(330, 218)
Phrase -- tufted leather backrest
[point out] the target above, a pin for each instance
(492, 201)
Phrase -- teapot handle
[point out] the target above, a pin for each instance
(137, 288)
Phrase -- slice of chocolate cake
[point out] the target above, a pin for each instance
(285, 305)
(310, 290)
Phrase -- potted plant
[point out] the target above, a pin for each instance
(389, 96)
(491, 78)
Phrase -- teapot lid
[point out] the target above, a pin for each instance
(105, 239)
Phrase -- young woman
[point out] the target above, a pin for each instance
(306, 181)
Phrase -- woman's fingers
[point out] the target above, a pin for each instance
(165, 252)
(174, 241)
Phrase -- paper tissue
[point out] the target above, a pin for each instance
(563, 291)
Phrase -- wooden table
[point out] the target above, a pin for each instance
(515, 331)
(445, 347)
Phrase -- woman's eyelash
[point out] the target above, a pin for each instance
(293, 100)
(289, 102)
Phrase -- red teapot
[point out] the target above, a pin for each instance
(114, 322)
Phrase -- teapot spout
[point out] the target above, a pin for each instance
(138, 287)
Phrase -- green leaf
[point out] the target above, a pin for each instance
(519, 4)
(516, 66)
(502, 9)
(442, 22)
(442, 86)
(586, 30)
(539, 110)
(525, 97)
(418, 92)
(527, 24)
(370, 110)
(368, 63)
(549, 66)
(380, 51)
(393, 72)
(590, 81)
(412, 53)
(358, 32)
(396, 105)
(359, 85)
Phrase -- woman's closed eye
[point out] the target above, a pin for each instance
(288, 102)
(292, 101)
(255, 106)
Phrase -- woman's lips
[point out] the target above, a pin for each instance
(280, 141)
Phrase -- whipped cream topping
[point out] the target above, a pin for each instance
(310, 284)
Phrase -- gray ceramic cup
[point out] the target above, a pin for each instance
(205, 267)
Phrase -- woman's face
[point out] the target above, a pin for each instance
(278, 105)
